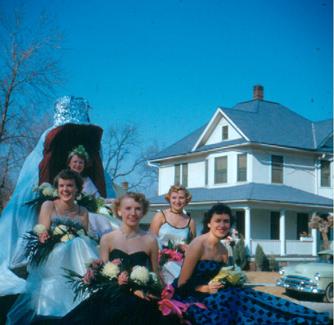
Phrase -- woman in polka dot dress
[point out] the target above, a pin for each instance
(230, 305)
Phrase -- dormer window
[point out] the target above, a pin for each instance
(225, 132)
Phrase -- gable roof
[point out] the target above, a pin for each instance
(253, 192)
(262, 122)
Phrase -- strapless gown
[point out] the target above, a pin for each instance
(236, 305)
(47, 292)
(125, 309)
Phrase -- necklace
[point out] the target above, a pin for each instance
(179, 213)
(130, 235)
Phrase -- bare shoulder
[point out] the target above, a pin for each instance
(150, 238)
(198, 242)
(159, 217)
(107, 238)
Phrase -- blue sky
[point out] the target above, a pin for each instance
(167, 65)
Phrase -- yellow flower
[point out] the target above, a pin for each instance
(60, 230)
(66, 237)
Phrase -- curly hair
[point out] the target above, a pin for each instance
(79, 151)
(138, 197)
(68, 174)
(177, 188)
(218, 208)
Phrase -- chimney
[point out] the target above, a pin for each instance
(125, 186)
(258, 92)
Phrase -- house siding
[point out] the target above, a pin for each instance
(216, 135)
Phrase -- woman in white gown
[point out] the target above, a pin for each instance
(174, 226)
(99, 224)
(71, 128)
(47, 292)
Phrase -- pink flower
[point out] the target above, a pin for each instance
(43, 237)
(88, 276)
(167, 292)
(96, 263)
(116, 261)
(123, 278)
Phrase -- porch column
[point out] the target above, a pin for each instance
(282, 232)
(248, 229)
(314, 242)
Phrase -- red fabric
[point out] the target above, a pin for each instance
(60, 141)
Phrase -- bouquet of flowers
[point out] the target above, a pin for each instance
(169, 306)
(41, 241)
(111, 277)
(45, 192)
(230, 276)
(171, 252)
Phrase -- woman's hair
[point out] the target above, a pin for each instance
(79, 151)
(69, 174)
(138, 197)
(177, 188)
(218, 208)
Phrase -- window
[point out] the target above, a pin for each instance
(277, 169)
(242, 168)
(302, 225)
(177, 174)
(206, 172)
(221, 170)
(225, 132)
(185, 175)
(325, 178)
(181, 174)
(240, 222)
(274, 225)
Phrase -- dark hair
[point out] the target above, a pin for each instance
(138, 197)
(218, 208)
(69, 174)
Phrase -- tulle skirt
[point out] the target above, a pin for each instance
(47, 291)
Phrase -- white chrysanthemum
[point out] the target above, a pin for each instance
(140, 275)
(45, 185)
(60, 230)
(67, 237)
(55, 193)
(38, 229)
(110, 270)
(48, 191)
(103, 210)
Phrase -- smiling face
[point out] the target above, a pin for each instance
(220, 225)
(77, 164)
(178, 201)
(67, 189)
(130, 211)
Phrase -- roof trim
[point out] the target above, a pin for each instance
(208, 126)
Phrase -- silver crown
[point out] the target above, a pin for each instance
(70, 109)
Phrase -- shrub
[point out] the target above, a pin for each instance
(273, 264)
(261, 260)
(240, 255)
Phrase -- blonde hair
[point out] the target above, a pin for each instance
(138, 197)
(177, 188)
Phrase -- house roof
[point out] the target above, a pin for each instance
(262, 122)
(254, 192)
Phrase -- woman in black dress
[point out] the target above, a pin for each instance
(134, 247)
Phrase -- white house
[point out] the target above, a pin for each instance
(272, 166)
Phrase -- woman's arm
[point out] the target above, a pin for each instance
(44, 217)
(105, 247)
(193, 228)
(193, 255)
(153, 252)
(156, 223)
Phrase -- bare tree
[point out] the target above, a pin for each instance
(322, 222)
(29, 73)
(125, 158)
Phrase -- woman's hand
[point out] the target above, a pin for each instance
(212, 287)
(140, 294)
